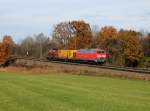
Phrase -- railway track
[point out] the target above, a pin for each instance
(129, 69)
(112, 67)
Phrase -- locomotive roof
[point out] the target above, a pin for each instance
(89, 50)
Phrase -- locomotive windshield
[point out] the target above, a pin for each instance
(100, 52)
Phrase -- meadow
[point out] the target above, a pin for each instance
(63, 92)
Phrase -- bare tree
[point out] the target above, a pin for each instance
(61, 34)
(35, 46)
(146, 45)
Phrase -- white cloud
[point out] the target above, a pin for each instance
(35, 16)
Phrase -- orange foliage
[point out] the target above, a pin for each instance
(105, 34)
(5, 49)
(82, 35)
(132, 46)
(8, 40)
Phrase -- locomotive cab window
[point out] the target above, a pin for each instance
(100, 52)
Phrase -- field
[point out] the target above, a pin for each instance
(62, 92)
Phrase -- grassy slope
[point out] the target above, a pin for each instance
(72, 93)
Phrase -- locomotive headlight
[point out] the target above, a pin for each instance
(99, 56)
(104, 56)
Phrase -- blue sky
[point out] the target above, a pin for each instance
(21, 18)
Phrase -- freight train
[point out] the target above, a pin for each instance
(97, 56)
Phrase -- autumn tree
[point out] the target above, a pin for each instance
(106, 33)
(107, 39)
(82, 35)
(72, 35)
(132, 48)
(8, 41)
(5, 49)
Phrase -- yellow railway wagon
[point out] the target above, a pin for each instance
(69, 54)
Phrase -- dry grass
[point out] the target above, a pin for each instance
(73, 69)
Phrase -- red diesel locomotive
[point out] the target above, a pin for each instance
(91, 55)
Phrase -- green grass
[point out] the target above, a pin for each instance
(72, 93)
(147, 58)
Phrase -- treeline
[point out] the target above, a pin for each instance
(34, 46)
(125, 47)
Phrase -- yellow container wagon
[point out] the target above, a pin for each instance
(66, 54)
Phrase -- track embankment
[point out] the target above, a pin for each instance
(80, 69)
